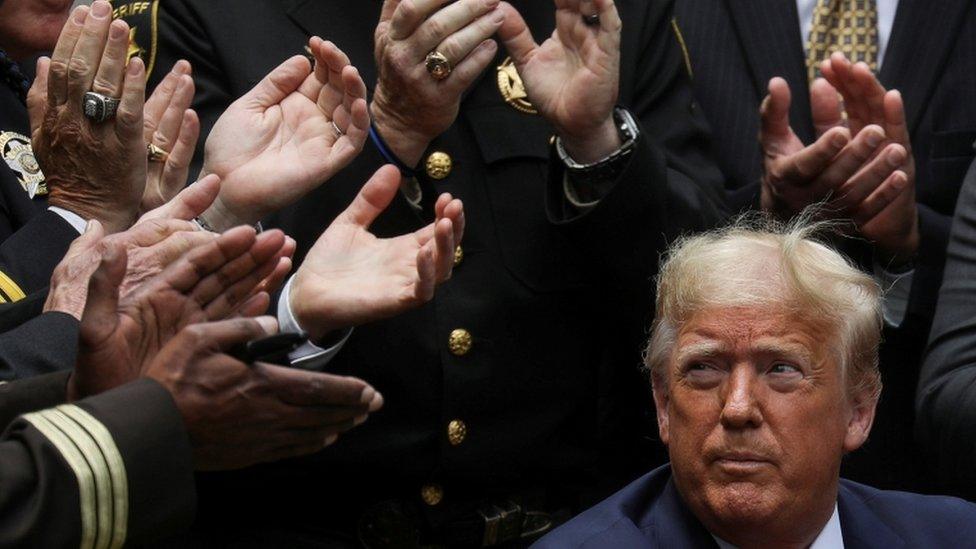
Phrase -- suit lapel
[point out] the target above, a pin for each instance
(769, 34)
(347, 23)
(860, 526)
(923, 35)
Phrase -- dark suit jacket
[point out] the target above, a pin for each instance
(650, 513)
(91, 459)
(557, 306)
(44, 344)
(29, 256)
(737, 46)
(947, 385)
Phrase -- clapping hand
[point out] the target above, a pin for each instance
(351, 277)
(287, 136)
(573, 78)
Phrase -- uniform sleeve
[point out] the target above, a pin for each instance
(946, 399)
(109, 470)
(15, 314)
(42, 345)
(29, 256)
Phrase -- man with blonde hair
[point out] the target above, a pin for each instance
(764, 367)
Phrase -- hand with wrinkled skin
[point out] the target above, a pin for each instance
(573, 78)
(96, 170)
(894, 227)
(351, 277)
(276, 143)
(170, 124)
(120, 335)
(849, 173)
(410, 107)
(237, 414)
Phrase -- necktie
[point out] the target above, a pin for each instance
(847, 26)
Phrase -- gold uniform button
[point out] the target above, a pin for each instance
(439, 165)
(460, 342)
(458, 256)
(456, 431)
(432, 494)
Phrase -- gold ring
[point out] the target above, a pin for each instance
(155, 153)
(437, 65)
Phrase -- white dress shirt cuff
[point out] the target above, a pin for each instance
(309, 355)
(897, 289)
(72, 218)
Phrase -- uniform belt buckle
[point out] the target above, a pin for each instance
(503, 522)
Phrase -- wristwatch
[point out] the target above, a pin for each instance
(609, 168)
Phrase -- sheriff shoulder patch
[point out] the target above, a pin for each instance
(141, 17)
(19, 156)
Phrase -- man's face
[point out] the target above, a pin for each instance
(31, 27)
(756, 416)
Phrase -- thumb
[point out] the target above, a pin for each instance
(775, 112)
(102, 303)
(37, 95)
(374, 197)
(825, 106)
(189, 203)
(278, 84)
(515, 34)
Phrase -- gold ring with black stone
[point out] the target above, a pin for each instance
(156, 154)
(437, 65)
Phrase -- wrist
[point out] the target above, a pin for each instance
(219, 218)
(114, 218)
(307, 316)
(592, 146)
(403, 141)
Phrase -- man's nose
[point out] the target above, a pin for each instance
(741, 410)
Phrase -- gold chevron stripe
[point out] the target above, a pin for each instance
(10, 288)
(684, 46)
(116, 470)
(81, 469)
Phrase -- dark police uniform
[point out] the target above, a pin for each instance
(22, 188)
(86, 474)
(516, 393)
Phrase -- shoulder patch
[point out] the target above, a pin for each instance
(141, 17)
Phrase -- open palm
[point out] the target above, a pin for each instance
(351, 277)
(278, 142)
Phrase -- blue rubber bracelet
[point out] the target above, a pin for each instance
(405, 171)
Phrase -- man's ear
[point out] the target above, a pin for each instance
(662, 397)
(861, 420)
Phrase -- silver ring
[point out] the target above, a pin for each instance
(338, 133)
(98, 107)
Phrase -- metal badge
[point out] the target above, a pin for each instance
(19, 155)
(512, 88)
(142, 19)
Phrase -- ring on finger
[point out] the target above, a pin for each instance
(99, 108)
(592, 20)
(338, 131)
(438, 65)
(156, 154)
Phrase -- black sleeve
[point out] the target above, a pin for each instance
(109, 470)
(946, 398)
(29, 256)
(45, 344)
(15, 314)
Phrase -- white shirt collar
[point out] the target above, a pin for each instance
(830, 537)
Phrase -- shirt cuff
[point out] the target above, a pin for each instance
(897, 289)
(309, 355)
(73, 219)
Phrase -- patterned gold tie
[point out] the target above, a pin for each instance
(847, 26)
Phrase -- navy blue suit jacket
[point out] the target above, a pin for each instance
(649, 512)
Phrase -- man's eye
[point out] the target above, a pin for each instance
(782, 368)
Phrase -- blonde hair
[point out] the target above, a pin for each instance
(757, 262)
